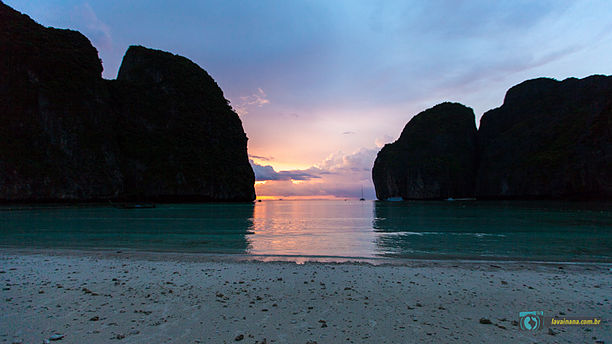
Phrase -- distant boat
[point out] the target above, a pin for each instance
(362, 199)
(133, 205)
(460, 199)
(394, 199)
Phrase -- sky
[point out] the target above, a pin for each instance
(321, 86)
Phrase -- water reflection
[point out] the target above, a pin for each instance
(512, 230)
(515, 230)
(313, 228)
(180, 228)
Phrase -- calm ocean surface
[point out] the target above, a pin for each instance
(532, 230)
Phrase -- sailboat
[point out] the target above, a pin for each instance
(362, 199)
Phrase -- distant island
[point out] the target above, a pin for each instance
(162, 131)
(549, 140)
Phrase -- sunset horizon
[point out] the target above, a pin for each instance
(320, 94)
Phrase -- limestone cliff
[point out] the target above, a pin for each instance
(162, 131)
(550, 139)
(435, 156)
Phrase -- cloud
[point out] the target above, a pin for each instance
(267, 173)
(259, 157)
(340, 174)
(94, 28)
(257, 99)
(381, 141)
(348, 133)
(361, 160)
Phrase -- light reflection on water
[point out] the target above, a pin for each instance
(506, 230)
(313, 228)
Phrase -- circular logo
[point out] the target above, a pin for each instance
(531, 322)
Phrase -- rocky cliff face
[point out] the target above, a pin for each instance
(549, 139)
(161, 131)
(435, 156)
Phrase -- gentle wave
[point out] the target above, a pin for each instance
(478, 235)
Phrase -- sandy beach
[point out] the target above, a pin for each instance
(97, 297)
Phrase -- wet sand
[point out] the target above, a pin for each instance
(102, 297)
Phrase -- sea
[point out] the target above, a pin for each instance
(326, 229)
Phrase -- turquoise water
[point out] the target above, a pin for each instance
(554, 231)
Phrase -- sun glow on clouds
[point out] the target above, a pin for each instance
(257, 99)
(338, 176)
(295, 198)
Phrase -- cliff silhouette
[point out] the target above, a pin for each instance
(549, 140)
(162, 131)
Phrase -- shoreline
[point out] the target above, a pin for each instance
(297, 259)
(126, 297)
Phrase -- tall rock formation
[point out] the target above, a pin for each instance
(162, 131)
(549, 139)
(435, 156)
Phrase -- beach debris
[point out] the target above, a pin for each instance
(94, 318)
(504, 282)
(323, 323)
(514, 323)
(87, 291)
(239, 337)
(485, 321)
(551, 332)
(56, 336)
(264, 341)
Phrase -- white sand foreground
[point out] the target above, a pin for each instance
(93, 297)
